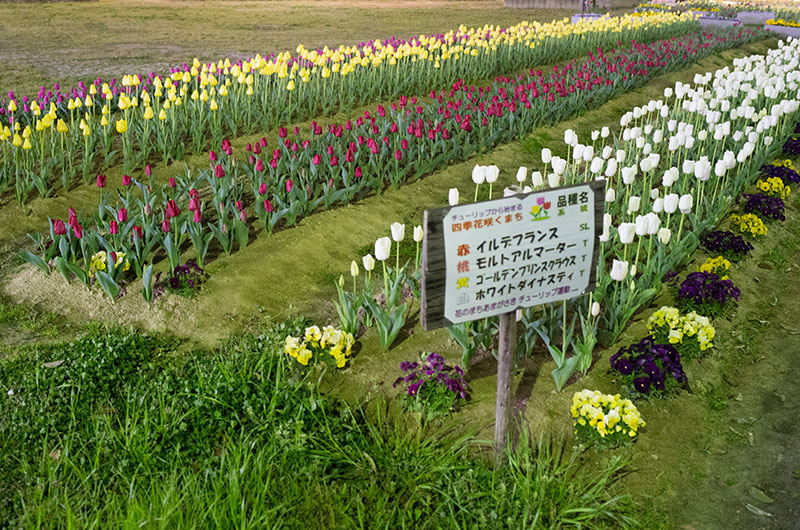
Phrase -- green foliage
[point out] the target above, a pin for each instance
(124, 434)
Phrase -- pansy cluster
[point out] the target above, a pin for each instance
(432, 386)
(719, 266)
(690, 334)
(649, 368)
(706, 293)
(99, 262)
(334, 342)
(604, 418)
(792, 145)
(764, 206)
(750, 225)
(186, 279)
(727, 244)
(774, 187)
(782, 169)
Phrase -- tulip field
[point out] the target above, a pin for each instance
(211, 281)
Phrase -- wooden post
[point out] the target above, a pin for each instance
(505, 373)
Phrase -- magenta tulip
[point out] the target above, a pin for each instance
(122, 215)
(113, 228)
(101, 181)
(58, 227)
(126, 180)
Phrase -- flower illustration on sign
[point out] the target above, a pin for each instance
(539, 211)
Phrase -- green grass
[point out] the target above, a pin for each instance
(133, 436)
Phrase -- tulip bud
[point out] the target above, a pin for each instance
(398, 232)
(654, 194)
(122, 215)
(611, 195)
(418, 233)
(101, 181)
(341, 281)
(353, 269)
(522, 174)
(383, 247)
(126, 180)
(547, 155)
(452, 197)
(165, 226)
(536, 178)
(633, 271)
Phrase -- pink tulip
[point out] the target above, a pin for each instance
(194, 205)
(357, 172)
(165, 227)
(113, 228)
(262, 189)
(147, 170)
(137, 231)
(78, 229)
(172, 182)
(260, 165)
(334, 161)
(126, 180)
(257, 148)
(242, 216)
(219, 171)
(398, 154)
(198, 217)
(58, 227)
(212, 156)
(289, 185)
(101, 181)
(268, 206)
(122, 215)
(172, 209)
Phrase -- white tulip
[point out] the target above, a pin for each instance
(478, 174)
(611, 168)
(604, 132)
(626, 231)
(607, 152)
(619, 270)
(559, 165)
(611, 195)
(654, 194)
(452, 197)
(720, 168)
(671, 203)
(383, 247)
(353, 268)
(597, 165)
(553, 180)
(620, 156)
(492, 172)
(595, 309)
(688, 167)
(595, 135)
(398, 232)
(640, 226)
(664, 235)
(653, 223)
(658, 205)
(418, 233)
(685, 204)
(522, 174)
(628, 175)
(536, 178)
(547, 155)
(369, 262)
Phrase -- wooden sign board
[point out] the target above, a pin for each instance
(489, 258)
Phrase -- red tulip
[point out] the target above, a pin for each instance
(172, 209)
(248, 147)
(264, 141)
(73, 217)
(260, 165)
(219, 172)
(58, 227)
(101, 181)
(113, 228)
(257, 148)
(334, 161)
(122, 215)
(398, 154)
(404, 144)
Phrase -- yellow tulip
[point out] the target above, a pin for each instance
(213, 105)
(12, 106)
(27, 144)
(104, 121)
(17, 141)
(26, 132)
(162, 115)
(122, 126)
(92, 90)
(290, 86)
(61, 127)
(88, 102)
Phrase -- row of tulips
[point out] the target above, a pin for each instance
(671, 175)
(57, 137)
(411, 138)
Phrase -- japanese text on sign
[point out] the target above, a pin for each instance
(517, 252)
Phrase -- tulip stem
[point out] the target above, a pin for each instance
(385, 281)
(476, 192)
(397, 265)
(416, 258)
(680, 227)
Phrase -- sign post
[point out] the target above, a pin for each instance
(491, 258)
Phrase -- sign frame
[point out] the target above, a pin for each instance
(434, 264)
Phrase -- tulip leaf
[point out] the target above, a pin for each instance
(147, 283)
(108, 284)
(35, 260)
(63, 267)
